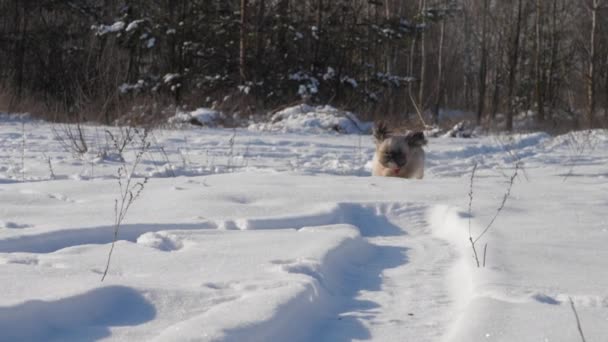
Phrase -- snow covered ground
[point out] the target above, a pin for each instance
(241, 235)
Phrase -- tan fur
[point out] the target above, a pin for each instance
(407, 149)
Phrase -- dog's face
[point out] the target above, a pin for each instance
(398, 155)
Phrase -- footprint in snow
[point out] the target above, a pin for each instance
(61, 197)
(57, 196)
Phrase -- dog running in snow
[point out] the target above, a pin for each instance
(398, 155)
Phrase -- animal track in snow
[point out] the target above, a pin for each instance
(52, 241)
(372, 219)
(160, 240)
(56, 196)
(19, 259)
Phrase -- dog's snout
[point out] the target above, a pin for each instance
(399, 158)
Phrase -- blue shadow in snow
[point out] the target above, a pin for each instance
(370, 219)
(347, 323)
(53, 241)
(85, 317)
(542, 298)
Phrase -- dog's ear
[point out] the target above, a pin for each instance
(416, 139)
(380, 132)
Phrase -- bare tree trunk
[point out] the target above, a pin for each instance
(422, 9)
(21, 21)
(440, 82)
(319, 20)
(591, 74)
(468, 63)
(410, 86)
(390, 61)
(606, 90)
(282, 10)
(539, 72)
(513, 60)
(553, 60)
(497, 82)
(243, 44)
(259, 42)
(483, 69)
(387, 8)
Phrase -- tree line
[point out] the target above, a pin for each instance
(391, 59)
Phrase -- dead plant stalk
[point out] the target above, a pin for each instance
(578, 321)
(129, 192)
(506, 196)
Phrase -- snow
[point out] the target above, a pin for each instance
(151, 42)
(304, 118)
(249, 235)
(351, 81)
(168, 78)
(205, 116)
(101, 29)
(134, 25)
(126, 87)
(308, 86)
(330, 74)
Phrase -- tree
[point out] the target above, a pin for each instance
(483, 67)
(101, 60)
(538, 64)
(513, 61)
(243, 42)
(594, 8)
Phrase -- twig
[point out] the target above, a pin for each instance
(165, 156)
(471, 214)
(498, 211)
(128, 194)
(359, 153)
(471, 195)
(183, 153)
(122, 141)
(578, 321)
(577, 150)
(246, 154)
(502, 205)
(231, 148)
(417, 109)
(48, 160)
(474, 250)
(512, 154)
(76, 144)
(23, 150)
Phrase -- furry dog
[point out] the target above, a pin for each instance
(398, 155)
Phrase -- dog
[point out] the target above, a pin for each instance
(398, 155)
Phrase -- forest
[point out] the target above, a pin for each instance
(135, 60)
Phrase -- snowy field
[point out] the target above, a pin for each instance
(248, 235)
